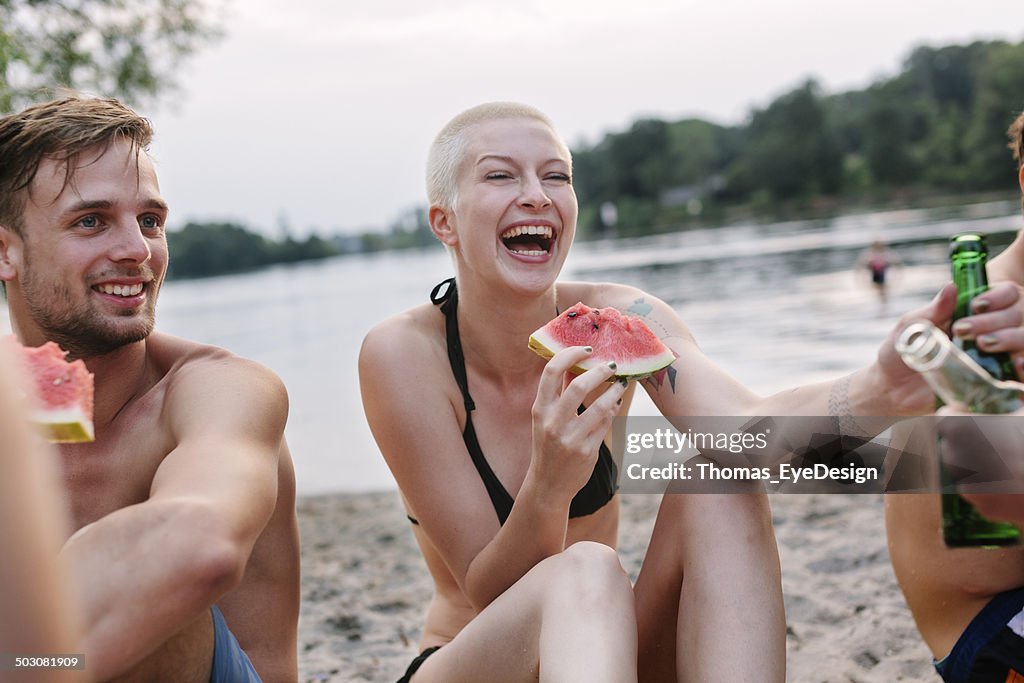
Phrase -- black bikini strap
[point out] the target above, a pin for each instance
(448, 300)
(437, 297)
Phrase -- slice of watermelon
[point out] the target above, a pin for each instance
(614, 337)
(63, 404)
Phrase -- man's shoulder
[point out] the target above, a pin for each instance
(190, 366)
(179, 353)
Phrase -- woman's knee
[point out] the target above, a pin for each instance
(747, 513)
(592, 570)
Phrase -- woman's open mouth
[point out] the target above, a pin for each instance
(528, 240)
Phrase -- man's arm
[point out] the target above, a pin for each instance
(996, 326)
(263, 611)
(147, 570)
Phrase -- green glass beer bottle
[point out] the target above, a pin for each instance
(962, 524)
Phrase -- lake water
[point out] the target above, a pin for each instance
(775, 305)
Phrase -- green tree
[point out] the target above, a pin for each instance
(947, 75)
(639, 159)
(791, 148)
(936, 126)
(699, 150)
(999, 100)
(944, 151)
(123, 48)
(896, 119)
(201, 249)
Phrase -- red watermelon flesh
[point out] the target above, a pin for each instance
(63, 393)
(624, 339)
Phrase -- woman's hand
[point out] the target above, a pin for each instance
(565, 444)
(995, 322)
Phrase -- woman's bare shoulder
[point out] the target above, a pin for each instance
(603, 294)
(409, 334)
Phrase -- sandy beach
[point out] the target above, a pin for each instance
(364, 588)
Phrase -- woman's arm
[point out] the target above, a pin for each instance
(411, 410)
(695, 385)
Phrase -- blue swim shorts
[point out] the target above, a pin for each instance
(230, 663)
(991, 648)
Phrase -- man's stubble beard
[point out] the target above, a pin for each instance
(79, 329)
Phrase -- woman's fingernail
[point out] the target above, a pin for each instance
(588, 349)
(979, 305)
(623, 381)
(612, 364)
(988, 339)
(961, 328)
(619, 402)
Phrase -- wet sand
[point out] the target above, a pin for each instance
(365, 588)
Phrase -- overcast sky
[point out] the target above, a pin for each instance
(320, 113)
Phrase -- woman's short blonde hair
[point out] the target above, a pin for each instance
(449, 147)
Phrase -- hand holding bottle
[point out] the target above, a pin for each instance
(987, 442)
(995, 322)
(976, 380)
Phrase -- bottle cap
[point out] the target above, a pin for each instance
(968, 242)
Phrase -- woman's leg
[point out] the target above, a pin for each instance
(709, 595)
(570, 618)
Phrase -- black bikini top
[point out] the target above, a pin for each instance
(595, 493)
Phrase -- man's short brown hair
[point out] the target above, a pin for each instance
(61, 130)
(1016, 133)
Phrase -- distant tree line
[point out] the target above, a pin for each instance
(205, 249)
(936, 127)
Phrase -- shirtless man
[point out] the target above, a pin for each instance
(964, 601)
(183, 509)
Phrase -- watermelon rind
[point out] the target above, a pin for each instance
(64, 426)
(60, 393)
(545, 345)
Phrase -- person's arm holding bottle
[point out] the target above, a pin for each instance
(997, 324)
(997, 440)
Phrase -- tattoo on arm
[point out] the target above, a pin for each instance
(641, 309)
(657, 380)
